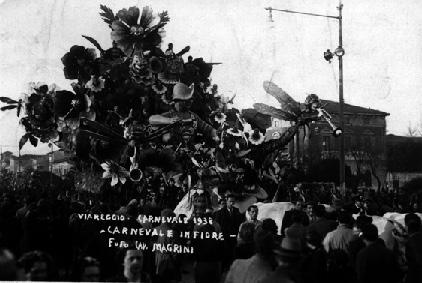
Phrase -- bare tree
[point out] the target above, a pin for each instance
(367, 157)
(414, 131)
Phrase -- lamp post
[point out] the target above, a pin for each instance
(328, 55)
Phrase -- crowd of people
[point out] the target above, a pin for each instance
(43, 239)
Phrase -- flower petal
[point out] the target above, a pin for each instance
(106, 175)
(114, 180)
(105, 166)
(119, 26)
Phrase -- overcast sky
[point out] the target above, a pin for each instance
(382, 39)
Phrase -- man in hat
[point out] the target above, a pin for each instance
(288, 257)
(182, 98)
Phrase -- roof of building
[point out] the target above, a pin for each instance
(28, 156)
(59, 156)
(393, 139)
(333, 107)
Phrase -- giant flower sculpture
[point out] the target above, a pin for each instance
(106, 117)
(133, 30)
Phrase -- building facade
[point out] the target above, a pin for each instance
(364, 138)
(56, 162)
(364, 141)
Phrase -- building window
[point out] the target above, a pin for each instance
(358, 142)
(367, 142)
(347, 119)
(366, 120)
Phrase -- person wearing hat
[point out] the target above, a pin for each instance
(288, 256)
(182, 98)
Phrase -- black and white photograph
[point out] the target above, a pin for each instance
(241, 141)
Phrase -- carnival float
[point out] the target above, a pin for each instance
(150, 120)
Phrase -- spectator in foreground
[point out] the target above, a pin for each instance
(375, 263)
(297, 230)
(288, 217)
(340, 238)
(254, 269)
(288, 257)
(314, 266)
(414, 248)
(321, 226)
(36, 266)
(166, 265)
(88, 270)
(245, 247)
(229, 219)
(8, 270)
(133, 268)
(207, 254)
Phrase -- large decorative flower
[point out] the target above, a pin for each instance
(256, 137)
(167, 97)
(39, 108)
(96, 84)
(159, 88)
(220, 117)
(79, 63)
(136, 31)
(115, 172)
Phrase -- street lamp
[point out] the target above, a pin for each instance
(328, 55)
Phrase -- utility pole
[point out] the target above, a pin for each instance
(341, 98)
(339, 52)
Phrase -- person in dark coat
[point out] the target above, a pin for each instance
(414, 248)
(288, 217)
(229, 219)
(207, 255)
(375, 263)
(314, 266)
(297, 230)
(288, 257)
(357, 244)
(245, 247)
(322, 225)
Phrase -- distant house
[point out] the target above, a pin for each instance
(364, 139)
(56, 162)
(60, 164)
(5, 159)
(404, 159)
(28, 162)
